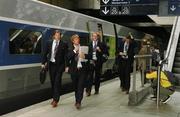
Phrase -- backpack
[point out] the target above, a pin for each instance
(171, 77)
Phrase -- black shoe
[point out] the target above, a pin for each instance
(96, 92)
(122, 89)
(166, 100)
(154, 98)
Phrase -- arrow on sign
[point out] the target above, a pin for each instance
(105, 1)
(173, 8)
(105, 11)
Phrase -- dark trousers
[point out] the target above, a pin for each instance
(56, 79)
(89, 79)
(97, 70)
(164, 92)
(78, 79)
(124, 74)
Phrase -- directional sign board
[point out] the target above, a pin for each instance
(129, 7)
(174, 7)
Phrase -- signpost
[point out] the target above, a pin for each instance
(174, 7)
(129, 7)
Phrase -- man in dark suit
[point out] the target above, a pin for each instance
(77, 67)
(55, 57)
(96, 52)
(125, 60)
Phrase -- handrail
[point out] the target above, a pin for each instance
(143, 56)
(172, 38)
(134, 69)
(165, 60)
(158, 83)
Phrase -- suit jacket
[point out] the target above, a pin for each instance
(72, 61)
(99, 55)
(130, 52)
(61, 54)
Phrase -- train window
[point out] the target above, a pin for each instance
(24, 41)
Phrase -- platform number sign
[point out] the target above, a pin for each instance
(128, 7)
(174, 7)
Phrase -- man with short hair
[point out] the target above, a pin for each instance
(96, 52)
(55, 57)
(125, 59)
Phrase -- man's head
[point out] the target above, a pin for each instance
(95, 36)
(75, 39)
(127, 39)
(57, 35)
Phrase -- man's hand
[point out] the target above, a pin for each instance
(121, 53)
(43, 66)
(67, 69)
(76, 49)
(98, 49)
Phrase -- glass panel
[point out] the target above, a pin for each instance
(24, 41)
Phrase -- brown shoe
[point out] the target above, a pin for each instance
(78, 106)
(88, 93)
(127, 92)
(52, 102)
(75, 104)
(55, 104)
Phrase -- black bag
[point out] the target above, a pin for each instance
(105, 52)
(42, 75)
(171, 77)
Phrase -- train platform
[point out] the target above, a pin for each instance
(111, 102)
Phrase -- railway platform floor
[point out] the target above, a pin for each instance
(111, 102)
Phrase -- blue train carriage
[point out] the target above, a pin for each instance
(19, 67)
(19, 20)
(19, 64)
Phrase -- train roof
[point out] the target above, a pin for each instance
(40, 13)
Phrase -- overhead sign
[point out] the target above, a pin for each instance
(129, 7)
(174, 7)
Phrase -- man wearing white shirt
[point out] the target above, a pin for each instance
(125, 60)
(77, 67)
(96, 51)
(55, 56)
